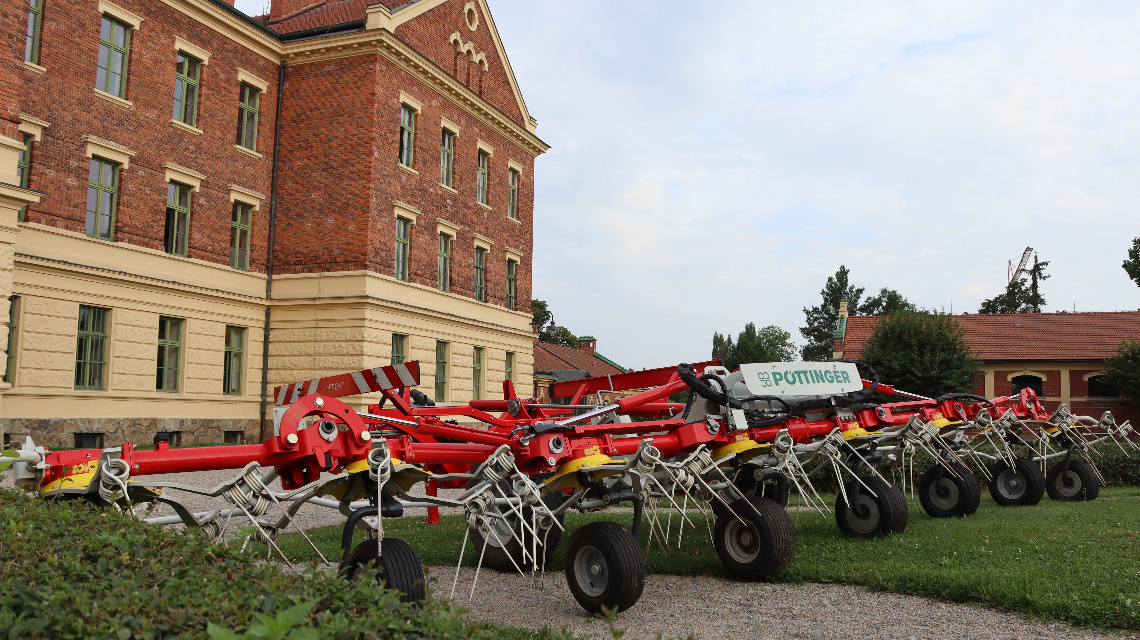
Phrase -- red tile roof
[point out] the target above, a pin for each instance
(324, 14)
(553, 357)
(1027, 336)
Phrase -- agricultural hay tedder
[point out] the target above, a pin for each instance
(733, 452)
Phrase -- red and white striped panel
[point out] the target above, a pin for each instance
(396, 376)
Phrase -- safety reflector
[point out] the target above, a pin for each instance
(396, 376)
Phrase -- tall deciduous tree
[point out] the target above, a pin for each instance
(547, 331)
(922, 352)
(887, 301)
(1124, 369)
(1132, 264)
(821, 320)
(770, 344)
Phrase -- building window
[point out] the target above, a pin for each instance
(177, 218)
(24, 169)
(440, 371)
(239, 235)
(512, 282)
(102, 198)
(35, 24)
(399, 348)
(509, 372)
(187, 73)
(13, 313)
(114, 57)
(1099, 386)
(407, 134)
(513, 199)
(447, 158)
(88, 441)
(481, 185)
(403, 246)
(477, 374)
(232, 366)
(233, 437)
(480, 274)
(248, 98)
(91, 349)
(169, 348)
(1028, 382)
(444, 262)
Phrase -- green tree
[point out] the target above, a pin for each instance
(1124, 369)
(770, 344)
(1020, 297)
(922, 352)
(1132, 264)
(822, 320)
(549, 332)
(888, 301)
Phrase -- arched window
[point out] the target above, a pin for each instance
(1028, 382)
(1101, 387)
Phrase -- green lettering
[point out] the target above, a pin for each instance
(829, 376)
(803, 376)
(790, 377)
(777, 377)
(846, 378)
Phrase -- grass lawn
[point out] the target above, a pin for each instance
(1077, 562)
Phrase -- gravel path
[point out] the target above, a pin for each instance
(698, 606)
(705, 607)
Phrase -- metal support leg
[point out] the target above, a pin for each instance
(433, 512)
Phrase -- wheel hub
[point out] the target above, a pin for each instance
(1011, 484)
(742, 541)
(1068, 484)
(591, 571)
(944, 494)
(864, 515)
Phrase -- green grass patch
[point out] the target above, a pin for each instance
(1076, 562)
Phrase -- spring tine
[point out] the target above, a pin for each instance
(273, 544)
(684, 517)
(479, 566)
(681, 531)
(462, 549)
(301, 530)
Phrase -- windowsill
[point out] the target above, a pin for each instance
(485, 206)
(186, 127)
(113, 98)
(515, 220)
(35, 67)
(248, 152)
(405, 167)
(447, 188)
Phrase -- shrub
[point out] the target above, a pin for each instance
(70, 570)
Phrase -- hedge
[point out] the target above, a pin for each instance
(71, 570)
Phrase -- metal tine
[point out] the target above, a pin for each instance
(478, 567)
(797, 469)
(668, 495)
(462, 550)
(273, 544)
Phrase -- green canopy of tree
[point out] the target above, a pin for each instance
(822, 320)
(888, 301)
(922, 352)
(770, 344)
(543, 317)
(1124, 369)
(1019, 296)
(1132, 264)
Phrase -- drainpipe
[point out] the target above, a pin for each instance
(269, 254)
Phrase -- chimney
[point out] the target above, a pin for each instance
(839, 336)
(589, 344)
(281, 9)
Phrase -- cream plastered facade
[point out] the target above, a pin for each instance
(322, 324)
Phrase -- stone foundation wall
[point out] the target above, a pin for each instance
(60, 432)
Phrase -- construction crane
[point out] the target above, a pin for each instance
(1013, 274)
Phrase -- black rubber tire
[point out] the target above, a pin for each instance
(499, 556)
(951, 496)
(1020, 486)
(1079, 484)
(760, 546)
(873, 516)
(620, 577)
(399, 567)
(901, 508)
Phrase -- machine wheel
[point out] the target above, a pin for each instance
(605, 568)
(944, 496)
(871, 516)
(1021, 485)
(760, 545)
(399, 567)
(1074, 485)
(511, 536)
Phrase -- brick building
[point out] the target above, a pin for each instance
(348, 183)
(556, 363)
(1059, 355)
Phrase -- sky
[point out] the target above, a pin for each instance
(712, 163)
